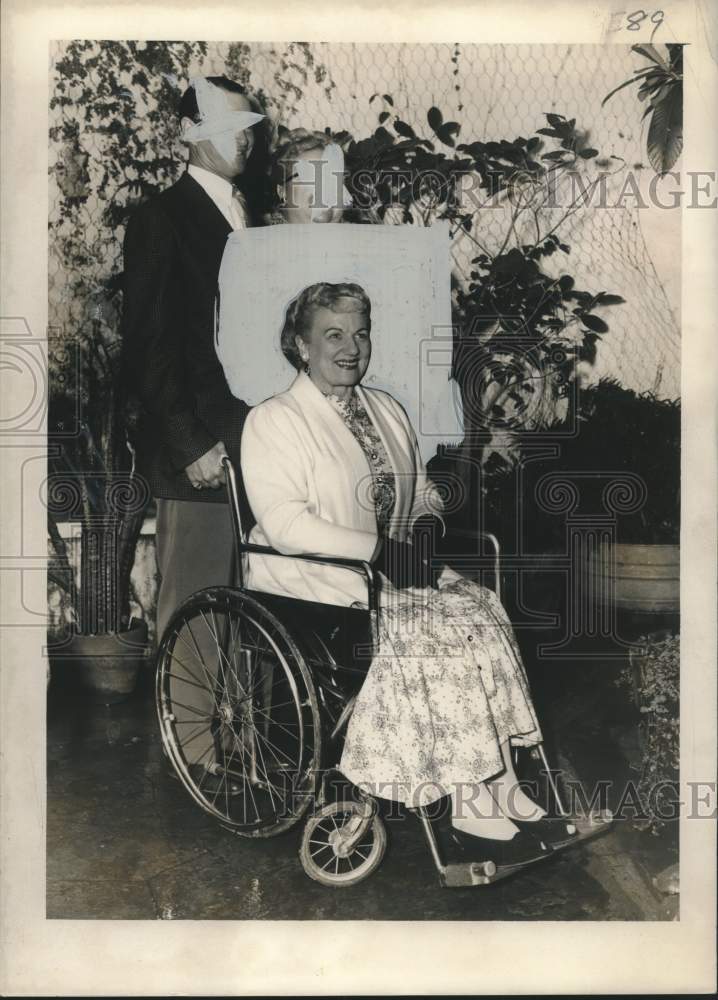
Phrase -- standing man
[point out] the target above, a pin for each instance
(172, 252)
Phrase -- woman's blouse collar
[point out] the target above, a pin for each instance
(346, 407)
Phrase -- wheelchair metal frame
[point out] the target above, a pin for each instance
(362, 812)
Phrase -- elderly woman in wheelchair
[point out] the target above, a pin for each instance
(348, 635)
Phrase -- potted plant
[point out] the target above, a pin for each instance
(639, 434)
(522, 326)
(92, 481)
(617, 432)
(114, 106)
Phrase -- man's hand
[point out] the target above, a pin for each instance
(207, 471)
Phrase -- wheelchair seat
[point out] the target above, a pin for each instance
(344, 633)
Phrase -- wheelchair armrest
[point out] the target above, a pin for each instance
(496, 547)
(493, 540)
(241, 545)
(366, 567)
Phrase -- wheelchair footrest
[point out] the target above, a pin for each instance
(587, 827)
(464, 874)
(474, 873)
(468, 873)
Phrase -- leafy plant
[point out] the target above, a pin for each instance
(92, 477)
(617, 430)
(661, 84)
(625, 431)
(297, 69)
(522, 328)
(653, 674)
(117, 128)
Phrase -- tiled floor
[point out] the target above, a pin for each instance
(126, 841)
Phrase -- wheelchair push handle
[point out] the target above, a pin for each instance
(241, 546)
(230, 478)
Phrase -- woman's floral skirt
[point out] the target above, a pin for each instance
(445, 690)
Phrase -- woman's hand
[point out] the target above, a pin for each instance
(404, 565)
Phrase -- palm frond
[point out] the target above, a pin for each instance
(665, 133)
(652, 53)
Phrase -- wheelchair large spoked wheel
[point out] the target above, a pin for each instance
(340, 846)
(238, 712)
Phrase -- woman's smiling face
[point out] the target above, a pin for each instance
(337, 348)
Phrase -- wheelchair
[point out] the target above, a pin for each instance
(276, 680)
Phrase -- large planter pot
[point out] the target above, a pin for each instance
(105, 667)
(642, 578)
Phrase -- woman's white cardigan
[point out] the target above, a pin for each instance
(308, 483)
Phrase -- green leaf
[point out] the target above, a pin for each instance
(665, 133)
(587, 351)
(587, 154)
(610, 300)
(663, 91)
(555, 120)
(511, 263)
(403, 129)
(384, 135)
(626, 83)
(444, 134)
(435, 118)
(594, 323)
(389, 99)
(650, 52)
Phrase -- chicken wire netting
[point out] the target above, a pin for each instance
(494, 91)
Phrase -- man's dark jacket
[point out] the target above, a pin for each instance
(172, 251)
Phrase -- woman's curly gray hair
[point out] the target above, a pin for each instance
(298, 318)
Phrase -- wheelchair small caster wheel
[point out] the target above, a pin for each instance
(342, 844)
